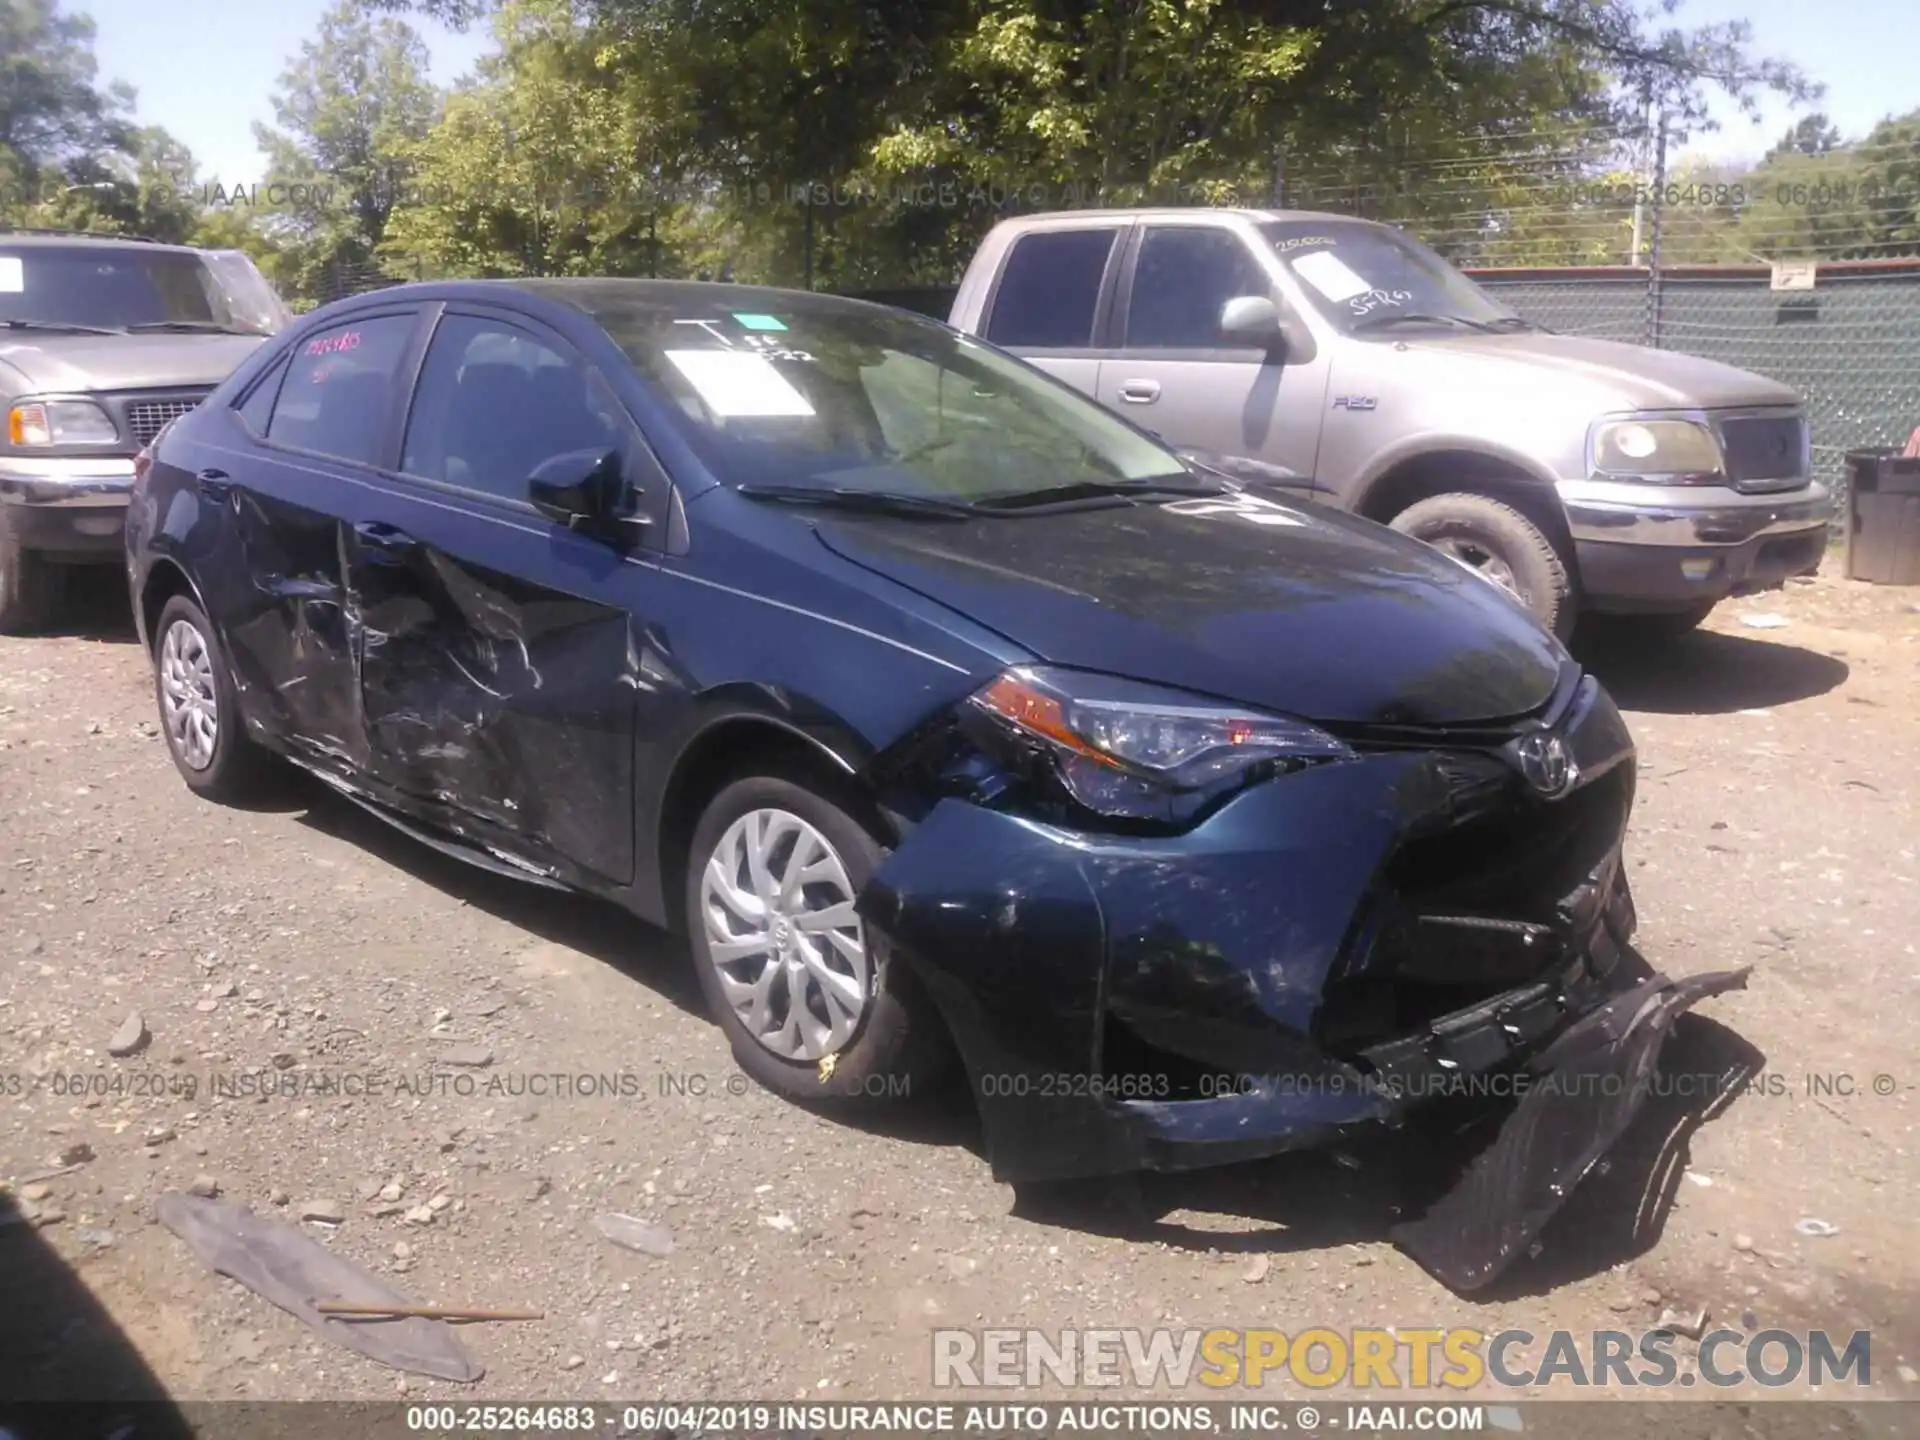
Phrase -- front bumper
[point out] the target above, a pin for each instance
(1292, 968)
(1642, 547)
(68, 509)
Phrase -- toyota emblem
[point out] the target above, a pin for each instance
(1546, 764)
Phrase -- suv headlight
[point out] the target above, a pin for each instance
(59, 422)
(1678, 451)
(1134, 751)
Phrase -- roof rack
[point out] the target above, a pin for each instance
(75, 234)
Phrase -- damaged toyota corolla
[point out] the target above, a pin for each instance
(949, 715)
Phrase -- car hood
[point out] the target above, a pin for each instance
(1292, 608)
(1631, 377)
(122, 362)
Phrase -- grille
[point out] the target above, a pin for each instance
(146, 417)
(1763, 448)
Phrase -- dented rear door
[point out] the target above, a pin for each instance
(497, 665)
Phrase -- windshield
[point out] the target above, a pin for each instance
(1358, 275)
(131, 287)
(793, 390)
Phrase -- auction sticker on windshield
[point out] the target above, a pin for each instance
(739, 384)
(13, 275)
(1330, 275)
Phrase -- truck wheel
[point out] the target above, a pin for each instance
(30, 585)
(811, 1001)
(1503, 545)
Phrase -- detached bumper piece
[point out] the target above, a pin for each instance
(1585, 1089)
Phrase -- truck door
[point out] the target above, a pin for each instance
(1050, 301)
(1171, 371)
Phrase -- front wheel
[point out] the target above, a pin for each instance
(199, 712)
(1501, 545)
(809, 997)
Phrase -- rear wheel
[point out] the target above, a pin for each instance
(1502, 545)
(30, 584)
(811, 1001)
(199, 712)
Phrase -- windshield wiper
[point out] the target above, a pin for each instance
(61, 325)
(1395, 317)
(1099, 489)
(1514, 322)
(203, 327)
(848, 497)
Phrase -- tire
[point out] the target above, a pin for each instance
(895, 1045)
(1657, 628)
(30, 584)
(188, 662)
(1492, 536)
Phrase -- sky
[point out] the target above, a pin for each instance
(205, 69)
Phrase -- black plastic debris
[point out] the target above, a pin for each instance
(1583, 1092)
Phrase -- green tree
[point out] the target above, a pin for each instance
(350, 109)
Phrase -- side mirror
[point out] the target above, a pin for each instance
(1253, 320)
(582, 489)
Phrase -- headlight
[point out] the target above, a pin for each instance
(1134, 751)
(59, 422)
(1677, 450)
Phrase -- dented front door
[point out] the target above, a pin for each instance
(494, 678)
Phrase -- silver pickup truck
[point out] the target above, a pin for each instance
(1580, 474)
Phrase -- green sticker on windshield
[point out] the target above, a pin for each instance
(759, 322)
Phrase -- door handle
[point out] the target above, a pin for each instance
(389, 541)
(1140, 392)
(215, 484)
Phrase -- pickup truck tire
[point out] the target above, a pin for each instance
(30, 585)
(1492, 537)
(757, 836)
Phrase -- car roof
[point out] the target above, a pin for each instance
(1182, 212)
(33, 239)
(586, 292)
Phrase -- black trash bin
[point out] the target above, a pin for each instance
(1883, 517)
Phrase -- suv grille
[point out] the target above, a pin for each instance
(1764, 448)
(146, 417)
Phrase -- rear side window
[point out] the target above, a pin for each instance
(257, 409)
(1049, 289)
(1183, 279)
(341, 388)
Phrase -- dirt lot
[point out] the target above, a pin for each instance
(1778, 826)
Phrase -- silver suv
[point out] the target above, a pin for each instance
(103, 340)
(1579, 474)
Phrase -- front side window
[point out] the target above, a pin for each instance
(493, 402)
(1182, 280)
(133, 288)
(833, 394)
(340, 389)
(1050, 288)
(1363, 277)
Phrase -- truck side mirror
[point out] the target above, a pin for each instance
(1253, 320)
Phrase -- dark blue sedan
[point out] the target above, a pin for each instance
(944, 711)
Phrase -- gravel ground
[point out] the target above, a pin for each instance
(305, 944)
